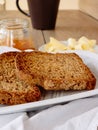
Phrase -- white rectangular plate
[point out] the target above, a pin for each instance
(52, 98)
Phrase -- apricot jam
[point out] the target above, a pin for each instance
(15, 33)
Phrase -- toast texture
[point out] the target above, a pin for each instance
(12, 89)
(55, 71)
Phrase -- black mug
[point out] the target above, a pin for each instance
(43, 13)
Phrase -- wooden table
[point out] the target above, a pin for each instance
(70, 23)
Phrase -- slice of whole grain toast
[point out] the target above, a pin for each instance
(12, 89)
(55, 71)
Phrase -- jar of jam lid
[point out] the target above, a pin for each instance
(15, 32)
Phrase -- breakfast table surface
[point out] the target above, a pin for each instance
(69, 24)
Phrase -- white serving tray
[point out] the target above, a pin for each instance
(52, 98)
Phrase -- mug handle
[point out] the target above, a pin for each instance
(17, 4)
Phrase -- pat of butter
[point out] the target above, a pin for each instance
(54, 46)
(72, 43)
(86, 44)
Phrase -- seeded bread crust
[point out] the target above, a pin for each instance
(55, 71)
(12, 89)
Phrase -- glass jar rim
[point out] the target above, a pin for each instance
(14, 23)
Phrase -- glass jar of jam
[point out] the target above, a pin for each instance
(15, 32)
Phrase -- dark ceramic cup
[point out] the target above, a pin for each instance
(43, 13)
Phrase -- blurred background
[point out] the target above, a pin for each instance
(64, 4)
(88, 6)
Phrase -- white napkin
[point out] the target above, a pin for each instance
(77, 115)
(86, 121)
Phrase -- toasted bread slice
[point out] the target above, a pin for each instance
(55, 71)
(12, 89)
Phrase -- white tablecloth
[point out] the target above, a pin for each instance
(80, 114)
